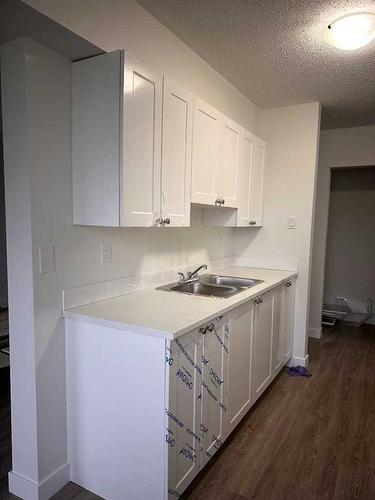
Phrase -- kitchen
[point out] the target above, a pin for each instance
(154, 194)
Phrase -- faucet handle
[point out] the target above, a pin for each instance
(182, 276)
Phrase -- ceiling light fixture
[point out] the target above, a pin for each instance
(352, 31)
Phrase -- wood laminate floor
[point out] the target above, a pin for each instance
(305, 439)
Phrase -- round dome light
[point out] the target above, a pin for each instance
(352, 31)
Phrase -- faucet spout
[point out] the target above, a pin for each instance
(193, 275)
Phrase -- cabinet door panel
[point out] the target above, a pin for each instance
(183, 413)
(277, 341)
(142, 145)
(288, 319)
(176, 153)
(246, 159)
(262, 340)
(239, 364)
(257, 183)
(206, 127)
(214, 380)
(229, 162)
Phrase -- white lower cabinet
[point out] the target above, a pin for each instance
(288, 297)
(277, 358)
(239, 364)
(157, 410)
(214, 386)
(183, 412)
(262, 343)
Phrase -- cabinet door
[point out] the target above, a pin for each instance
(239, 365)
(142, 101)
(288, 318)
(176, 154)
(262, 344)
(228, 165)
(245, 172)
(183, 411)
(214, 381)
(206, 130)
(277, 335)
(257, 183)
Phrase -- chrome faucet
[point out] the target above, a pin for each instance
(191, 275)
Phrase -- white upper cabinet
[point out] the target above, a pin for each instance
(96, 155)
(228, 165)
(249, 176)
(141, 139)
(131, 145)
(251, 180)
(176, 154)
(144, 150)
(206, 138)
(257, 183)
(215, 161)
(245, 172)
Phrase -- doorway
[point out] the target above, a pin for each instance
(349, 283)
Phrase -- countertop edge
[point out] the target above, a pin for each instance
(172, 335)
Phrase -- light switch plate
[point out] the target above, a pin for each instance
(291, 222)
(47, 259)
(105, 252)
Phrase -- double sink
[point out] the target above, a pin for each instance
(212, 285)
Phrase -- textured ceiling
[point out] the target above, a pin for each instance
(272, 50)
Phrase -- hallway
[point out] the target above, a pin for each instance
(306, 439)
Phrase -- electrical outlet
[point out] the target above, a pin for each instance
(105, 252)
(47, 259)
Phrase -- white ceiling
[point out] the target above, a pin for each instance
(273, 52)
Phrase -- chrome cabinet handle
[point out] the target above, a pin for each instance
(252, 223)
(162, 221)
(222, 201)
(217, 201)
(203, 330)
(261, 300)
(288, 284)
(211, 327)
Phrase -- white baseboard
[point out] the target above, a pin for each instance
(315, 333)
(297, 361)
(28, 489)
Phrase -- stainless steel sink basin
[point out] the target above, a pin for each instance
(211, 285)
(229, 281)
(199, 288)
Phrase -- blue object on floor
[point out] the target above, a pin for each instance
(299, 371)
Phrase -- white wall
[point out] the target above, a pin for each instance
(292, 135)
(38, 184)
(3, 254)
(348, 147)
(119, 24)
(350, 259)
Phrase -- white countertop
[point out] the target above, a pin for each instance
(171, 314)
